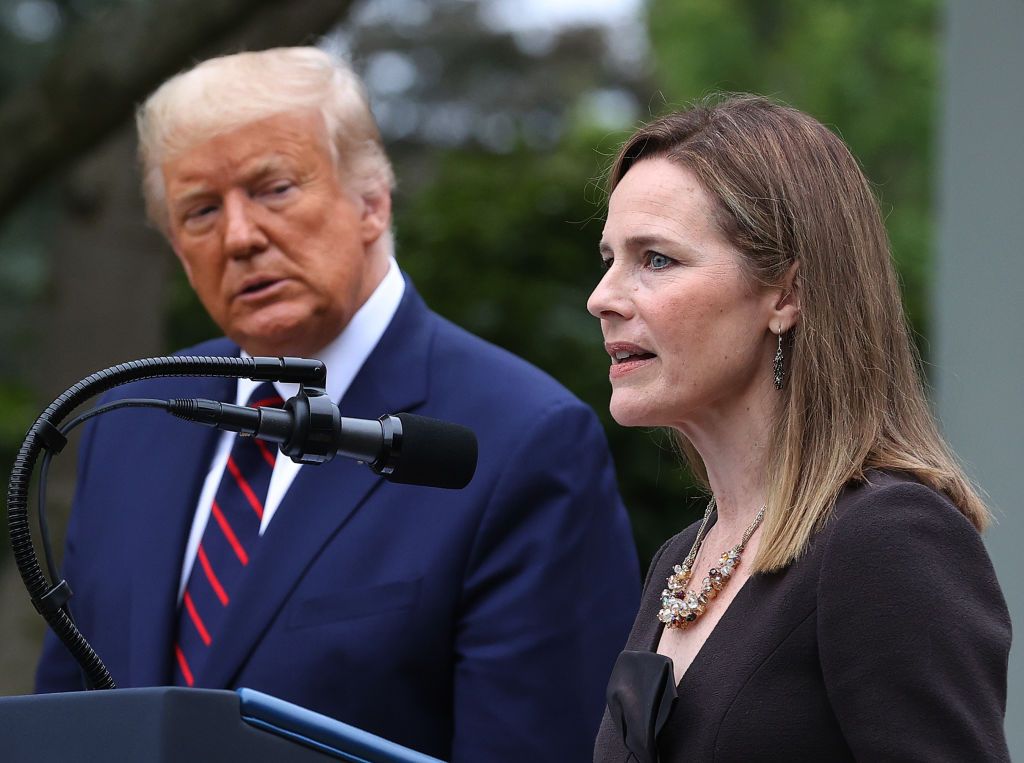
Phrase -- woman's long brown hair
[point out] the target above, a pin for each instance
(788, 190)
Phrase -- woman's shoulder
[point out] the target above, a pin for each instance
(888, 505)
(910, 624)
(895, 531)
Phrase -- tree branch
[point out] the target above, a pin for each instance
(110, 63)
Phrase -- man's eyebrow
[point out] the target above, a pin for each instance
(258, 171)
(266, 166)
(188, 195)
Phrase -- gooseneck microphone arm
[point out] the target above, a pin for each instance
(44, 434)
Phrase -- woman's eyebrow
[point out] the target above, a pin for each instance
(640, 241)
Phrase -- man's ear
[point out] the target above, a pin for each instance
(376, 218)
(786, 311)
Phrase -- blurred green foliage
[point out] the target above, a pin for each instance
(866, 68)
(187, 322)
(20, 410)
(23, 280)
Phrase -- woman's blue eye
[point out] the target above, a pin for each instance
(658, 261)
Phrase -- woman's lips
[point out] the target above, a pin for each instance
(628, 366)
(627, 358)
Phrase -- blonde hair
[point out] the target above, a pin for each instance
(788, 190)
(225, 93)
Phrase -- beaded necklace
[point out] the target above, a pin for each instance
(680, 607)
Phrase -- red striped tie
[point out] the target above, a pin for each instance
(228, 541)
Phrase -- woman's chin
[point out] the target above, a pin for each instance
(627, 415)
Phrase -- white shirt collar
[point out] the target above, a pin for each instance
(345, 355)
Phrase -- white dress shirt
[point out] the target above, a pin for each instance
(343, 358)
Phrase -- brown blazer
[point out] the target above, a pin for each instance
(887, 641)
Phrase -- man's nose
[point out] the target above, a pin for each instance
(243, 235)
(609, 298)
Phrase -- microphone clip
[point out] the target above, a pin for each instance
(315, 427)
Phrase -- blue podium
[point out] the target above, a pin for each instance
(175, 725)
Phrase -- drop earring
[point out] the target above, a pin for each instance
(777, 370)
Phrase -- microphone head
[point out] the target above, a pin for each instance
(434, 453)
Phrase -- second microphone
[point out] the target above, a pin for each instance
(310, 429)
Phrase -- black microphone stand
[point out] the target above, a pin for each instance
(50, 598)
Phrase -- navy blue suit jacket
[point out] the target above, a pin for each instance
(473, 625)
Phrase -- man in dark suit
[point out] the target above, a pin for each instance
(474, 625)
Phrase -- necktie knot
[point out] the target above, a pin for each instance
(265, 394)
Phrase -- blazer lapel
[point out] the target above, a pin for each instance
(160, 532)
(320, 501)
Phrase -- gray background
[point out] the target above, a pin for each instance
(979, 310)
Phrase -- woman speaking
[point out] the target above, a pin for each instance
(836, 601)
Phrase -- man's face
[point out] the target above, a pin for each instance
(279, 253)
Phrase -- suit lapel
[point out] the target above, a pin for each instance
(160, 531)
(320, 501)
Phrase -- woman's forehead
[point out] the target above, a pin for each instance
(658, 198)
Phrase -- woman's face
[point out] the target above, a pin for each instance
(687, 331)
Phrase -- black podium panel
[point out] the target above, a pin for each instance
(158, 725)
(166, 724)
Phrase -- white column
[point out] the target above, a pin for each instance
(978, 297)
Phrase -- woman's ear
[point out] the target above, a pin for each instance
(786, 312)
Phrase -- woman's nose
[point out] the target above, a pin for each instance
(608, 299)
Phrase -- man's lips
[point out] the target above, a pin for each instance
(257, 288)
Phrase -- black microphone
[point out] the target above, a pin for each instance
(403, 448)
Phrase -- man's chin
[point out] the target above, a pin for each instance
(291, 327)
(275, 340)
